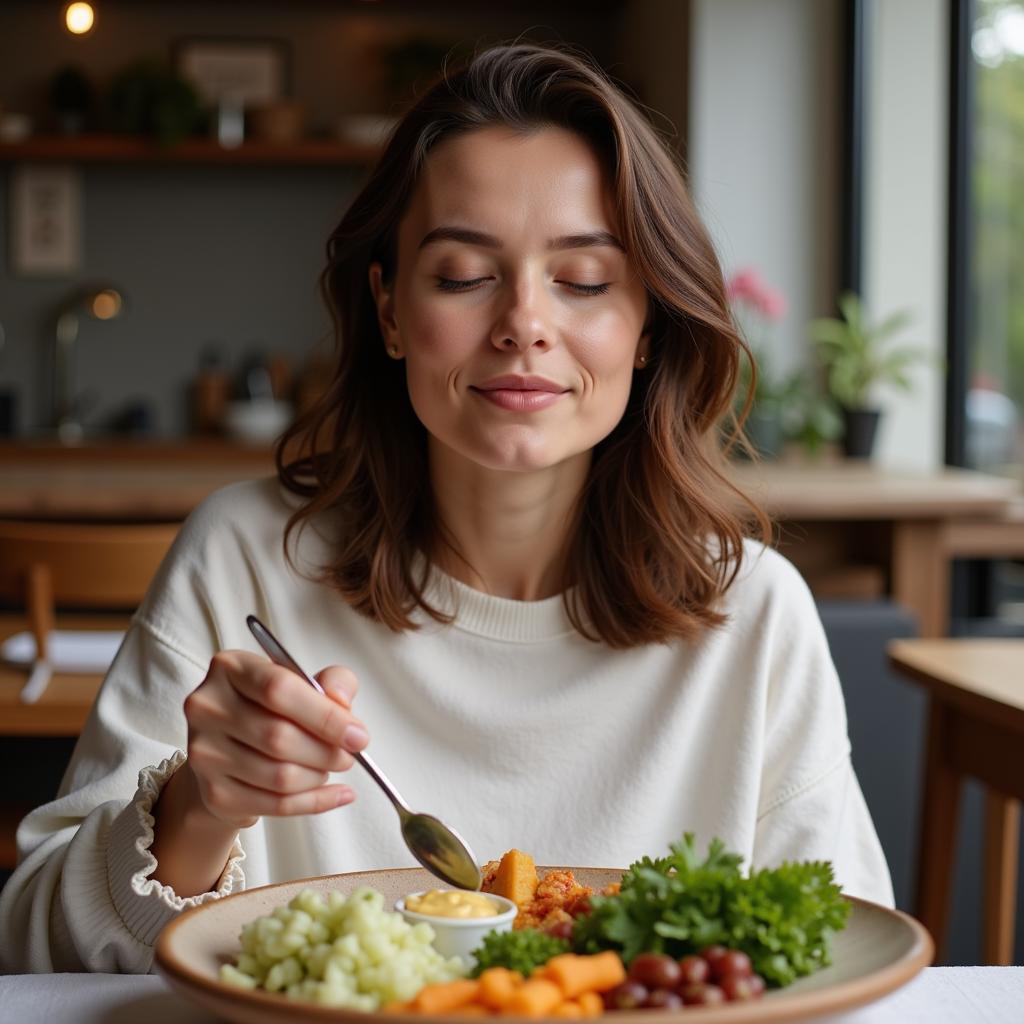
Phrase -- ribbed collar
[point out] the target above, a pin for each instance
(498, 618)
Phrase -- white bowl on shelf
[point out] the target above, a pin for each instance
(261, 419)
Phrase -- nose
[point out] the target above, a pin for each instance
(524, 321)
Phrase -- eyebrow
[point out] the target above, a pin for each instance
(468, 236)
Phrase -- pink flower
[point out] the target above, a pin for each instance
(749, 288)
(773, 304)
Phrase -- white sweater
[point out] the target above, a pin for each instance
(507, 724)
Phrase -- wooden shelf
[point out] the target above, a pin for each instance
(131, 149)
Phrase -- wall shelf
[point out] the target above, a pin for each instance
(131, 149)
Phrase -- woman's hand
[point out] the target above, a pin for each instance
(261, 740)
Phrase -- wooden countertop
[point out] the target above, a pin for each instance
(121, 480)
(153, 480)
(861, 491)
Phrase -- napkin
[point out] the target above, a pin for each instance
(85, 651)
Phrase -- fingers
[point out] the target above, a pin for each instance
(230, 799)
(283, 693)
(340, 683)
(226, 756)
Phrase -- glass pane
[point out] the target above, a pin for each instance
(995, 398)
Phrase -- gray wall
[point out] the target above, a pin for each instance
(227, 254)
(224, 255)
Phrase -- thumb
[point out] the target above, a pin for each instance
(339, 683)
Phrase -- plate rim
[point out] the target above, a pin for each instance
(845, 995)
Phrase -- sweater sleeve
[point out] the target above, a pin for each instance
(82, 897)
(811, 806)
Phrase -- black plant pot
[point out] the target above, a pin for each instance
(859, 429)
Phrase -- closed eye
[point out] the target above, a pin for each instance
(587, 289)
(450, 284)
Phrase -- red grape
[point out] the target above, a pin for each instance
(560, 929)
(713, 955)
(663, 999)
(655, 970)
(737, 988)
(694, 970)
(732, 963)
(629, 995)
(703, 995)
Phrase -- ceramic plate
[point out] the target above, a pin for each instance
(878, 951)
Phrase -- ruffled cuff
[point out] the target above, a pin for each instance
(144, 904)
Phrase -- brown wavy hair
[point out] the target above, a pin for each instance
(659, 529)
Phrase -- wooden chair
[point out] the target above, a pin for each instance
(77, 565)
(98, 568)
(976, 728)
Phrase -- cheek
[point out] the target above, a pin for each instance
(434, 331)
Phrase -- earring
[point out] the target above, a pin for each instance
(642, 360)
(393, 351)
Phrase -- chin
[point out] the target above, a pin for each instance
(516, 454)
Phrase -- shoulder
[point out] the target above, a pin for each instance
(766, 579)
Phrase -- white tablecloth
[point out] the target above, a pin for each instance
(939, 995)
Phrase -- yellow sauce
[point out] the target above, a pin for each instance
(451, 903)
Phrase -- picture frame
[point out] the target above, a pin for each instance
(246, 71)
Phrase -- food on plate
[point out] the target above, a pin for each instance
(782, 919)
(520, 951)
(514, 877)
(657, 982)
(339, 951)
(568, 986)
(452, 903)
(677, 931)
(550, 903)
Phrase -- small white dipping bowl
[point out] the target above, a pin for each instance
(459, 936)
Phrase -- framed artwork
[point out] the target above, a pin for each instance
(45, 220)
(244, 71)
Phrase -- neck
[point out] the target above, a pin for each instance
(510, 530)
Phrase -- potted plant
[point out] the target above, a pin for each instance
(756, 309)
(858, 358)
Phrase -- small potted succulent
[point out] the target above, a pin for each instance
(859, 358)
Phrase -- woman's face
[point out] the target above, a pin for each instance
(517, 312)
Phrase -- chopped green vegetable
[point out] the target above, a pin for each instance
(518, 951)
(782, 918)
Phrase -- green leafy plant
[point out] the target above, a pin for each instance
(858, 356)
(783, 918)
(521, 950)
(147, 98)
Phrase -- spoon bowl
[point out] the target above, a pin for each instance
(440, 849)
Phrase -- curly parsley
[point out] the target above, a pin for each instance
(518, 951)
(782, 918)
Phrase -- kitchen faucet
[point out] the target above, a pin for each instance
(103, 303)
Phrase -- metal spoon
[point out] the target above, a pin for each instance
(440, 849)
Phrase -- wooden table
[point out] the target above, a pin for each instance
(899, 531)
(902, 528)
(138, 481)
(976, 728)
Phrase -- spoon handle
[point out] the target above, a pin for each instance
(275, 651)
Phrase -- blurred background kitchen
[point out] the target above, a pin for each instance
(169, 173)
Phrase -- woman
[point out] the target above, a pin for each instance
(510, 527)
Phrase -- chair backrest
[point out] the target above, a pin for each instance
(88, 565)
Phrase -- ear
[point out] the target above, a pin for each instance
(384, 298)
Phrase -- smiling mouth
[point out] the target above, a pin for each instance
(519, 399)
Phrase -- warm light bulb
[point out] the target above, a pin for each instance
(106, 305)
(79, 18)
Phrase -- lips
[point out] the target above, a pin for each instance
(521, 382)
(520, 392)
